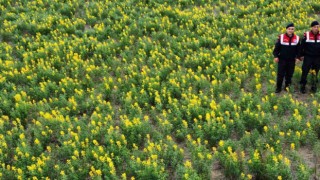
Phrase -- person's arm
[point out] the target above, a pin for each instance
(298, 51)
(276, 50)
(302, 47)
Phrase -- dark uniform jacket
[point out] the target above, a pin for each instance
(286, 47)
(310, 45)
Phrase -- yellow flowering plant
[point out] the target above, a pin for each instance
(150, 90)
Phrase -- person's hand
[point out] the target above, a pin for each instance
(276, 60)
(297, 60)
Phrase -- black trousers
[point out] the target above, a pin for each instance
(312, 63)
(285, 70)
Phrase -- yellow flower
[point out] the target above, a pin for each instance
(298, 134)
(308, 124)
(124, 176)
(214, 149)
(242, 175)
(95, 142)
(21, 136)
(98, 172)
(265, 128)
(221, 143)
(188, 164)
(36, 141)
(186, 176)
(256, 155)
(189, 137)
(17, 97)
(287, 161)
(258, 87)
(62, 173)
(275, 107)
(185, 123)
(243, 154)
(281, 133)
(76, 153)
(292, 146)
(275, 159)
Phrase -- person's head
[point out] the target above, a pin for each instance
(315, 27)
(290, 29)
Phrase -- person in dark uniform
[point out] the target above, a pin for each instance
(310, 55)
(285, 53)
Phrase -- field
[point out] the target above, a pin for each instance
(153, 90)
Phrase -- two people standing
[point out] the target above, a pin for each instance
(288, 49)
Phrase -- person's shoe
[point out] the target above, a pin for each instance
(313, 89)
(303, 89)
(278, 90)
